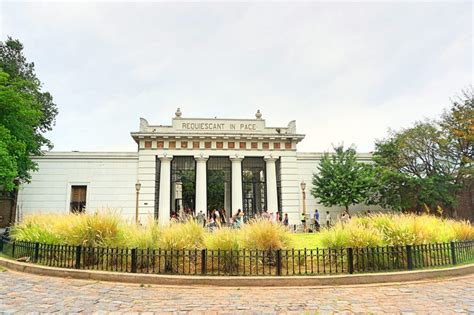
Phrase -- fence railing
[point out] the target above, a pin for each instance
(283, 262)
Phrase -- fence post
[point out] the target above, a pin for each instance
(409, 257)
(1, 244)
(453, 253)
(13, 249)
(203, 261)
(278, 262)
(134, 260)
(350, 260)
(78, 257)
(36, 255)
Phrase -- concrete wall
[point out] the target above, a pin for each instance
(110, 180)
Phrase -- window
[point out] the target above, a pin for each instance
(78, 198)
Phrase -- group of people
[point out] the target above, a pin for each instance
(217, 218)
(343, 218)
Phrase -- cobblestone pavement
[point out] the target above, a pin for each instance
(29, 293)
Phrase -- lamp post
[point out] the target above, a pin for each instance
(303, 187)
(138, 185)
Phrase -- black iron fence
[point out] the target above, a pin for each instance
(284, 262)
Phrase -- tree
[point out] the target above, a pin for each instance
(457, 125)
(425, 166)
(26, 113)
(342, 180)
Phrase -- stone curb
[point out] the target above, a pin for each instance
(239, 281)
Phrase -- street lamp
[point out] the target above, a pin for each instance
(138, 185)
(303, 187)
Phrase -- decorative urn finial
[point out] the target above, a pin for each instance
(178, 113)
(258, 115)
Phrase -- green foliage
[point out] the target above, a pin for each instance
(25, 114)
(424, 166)
(342, 180)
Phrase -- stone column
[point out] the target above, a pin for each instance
(272, 195)
(201, 183)
(236, 183)
(165, 190)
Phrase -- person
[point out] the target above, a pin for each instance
(218, 218)
(266, 215)
(222, 215)
(240, 217)
(201, 218)
(344, 218)
(237, 219)
(328, 219)
(272, 217)
(316, 219)
(278, 218)
(303, 218)
(285, 220)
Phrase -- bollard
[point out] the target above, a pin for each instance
(453, 253)
(203, 261)
(278, 262)
(350, 260)
(36, 255)
(409, 257)
(78, 257)
(134, 260)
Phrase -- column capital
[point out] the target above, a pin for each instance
(236, 158)
(165, 157)
(270, 158)
(201, 158)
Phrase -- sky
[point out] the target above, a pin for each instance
(345, 71)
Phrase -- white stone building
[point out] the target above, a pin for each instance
(194, 163)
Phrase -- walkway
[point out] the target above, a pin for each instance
(29, 293)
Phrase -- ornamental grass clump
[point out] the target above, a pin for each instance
(143, 237)
(223, 239)
(223, 244)
(186, 235)
(42, 228)
(352, 234)
(264, 235)
(98, 229)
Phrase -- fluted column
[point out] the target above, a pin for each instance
(165, 190)
(272, 195)
(201, 183)
(236, 183)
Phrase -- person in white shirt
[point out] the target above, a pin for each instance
(328, 219)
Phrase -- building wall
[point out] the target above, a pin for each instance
(110, 180)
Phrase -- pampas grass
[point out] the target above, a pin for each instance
(107, 228)
(264, 235)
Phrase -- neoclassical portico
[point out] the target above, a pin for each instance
(199, 164)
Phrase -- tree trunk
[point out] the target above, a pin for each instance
(347, 208)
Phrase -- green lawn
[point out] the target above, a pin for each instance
(304, 240)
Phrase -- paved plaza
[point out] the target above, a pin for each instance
(30, 293)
